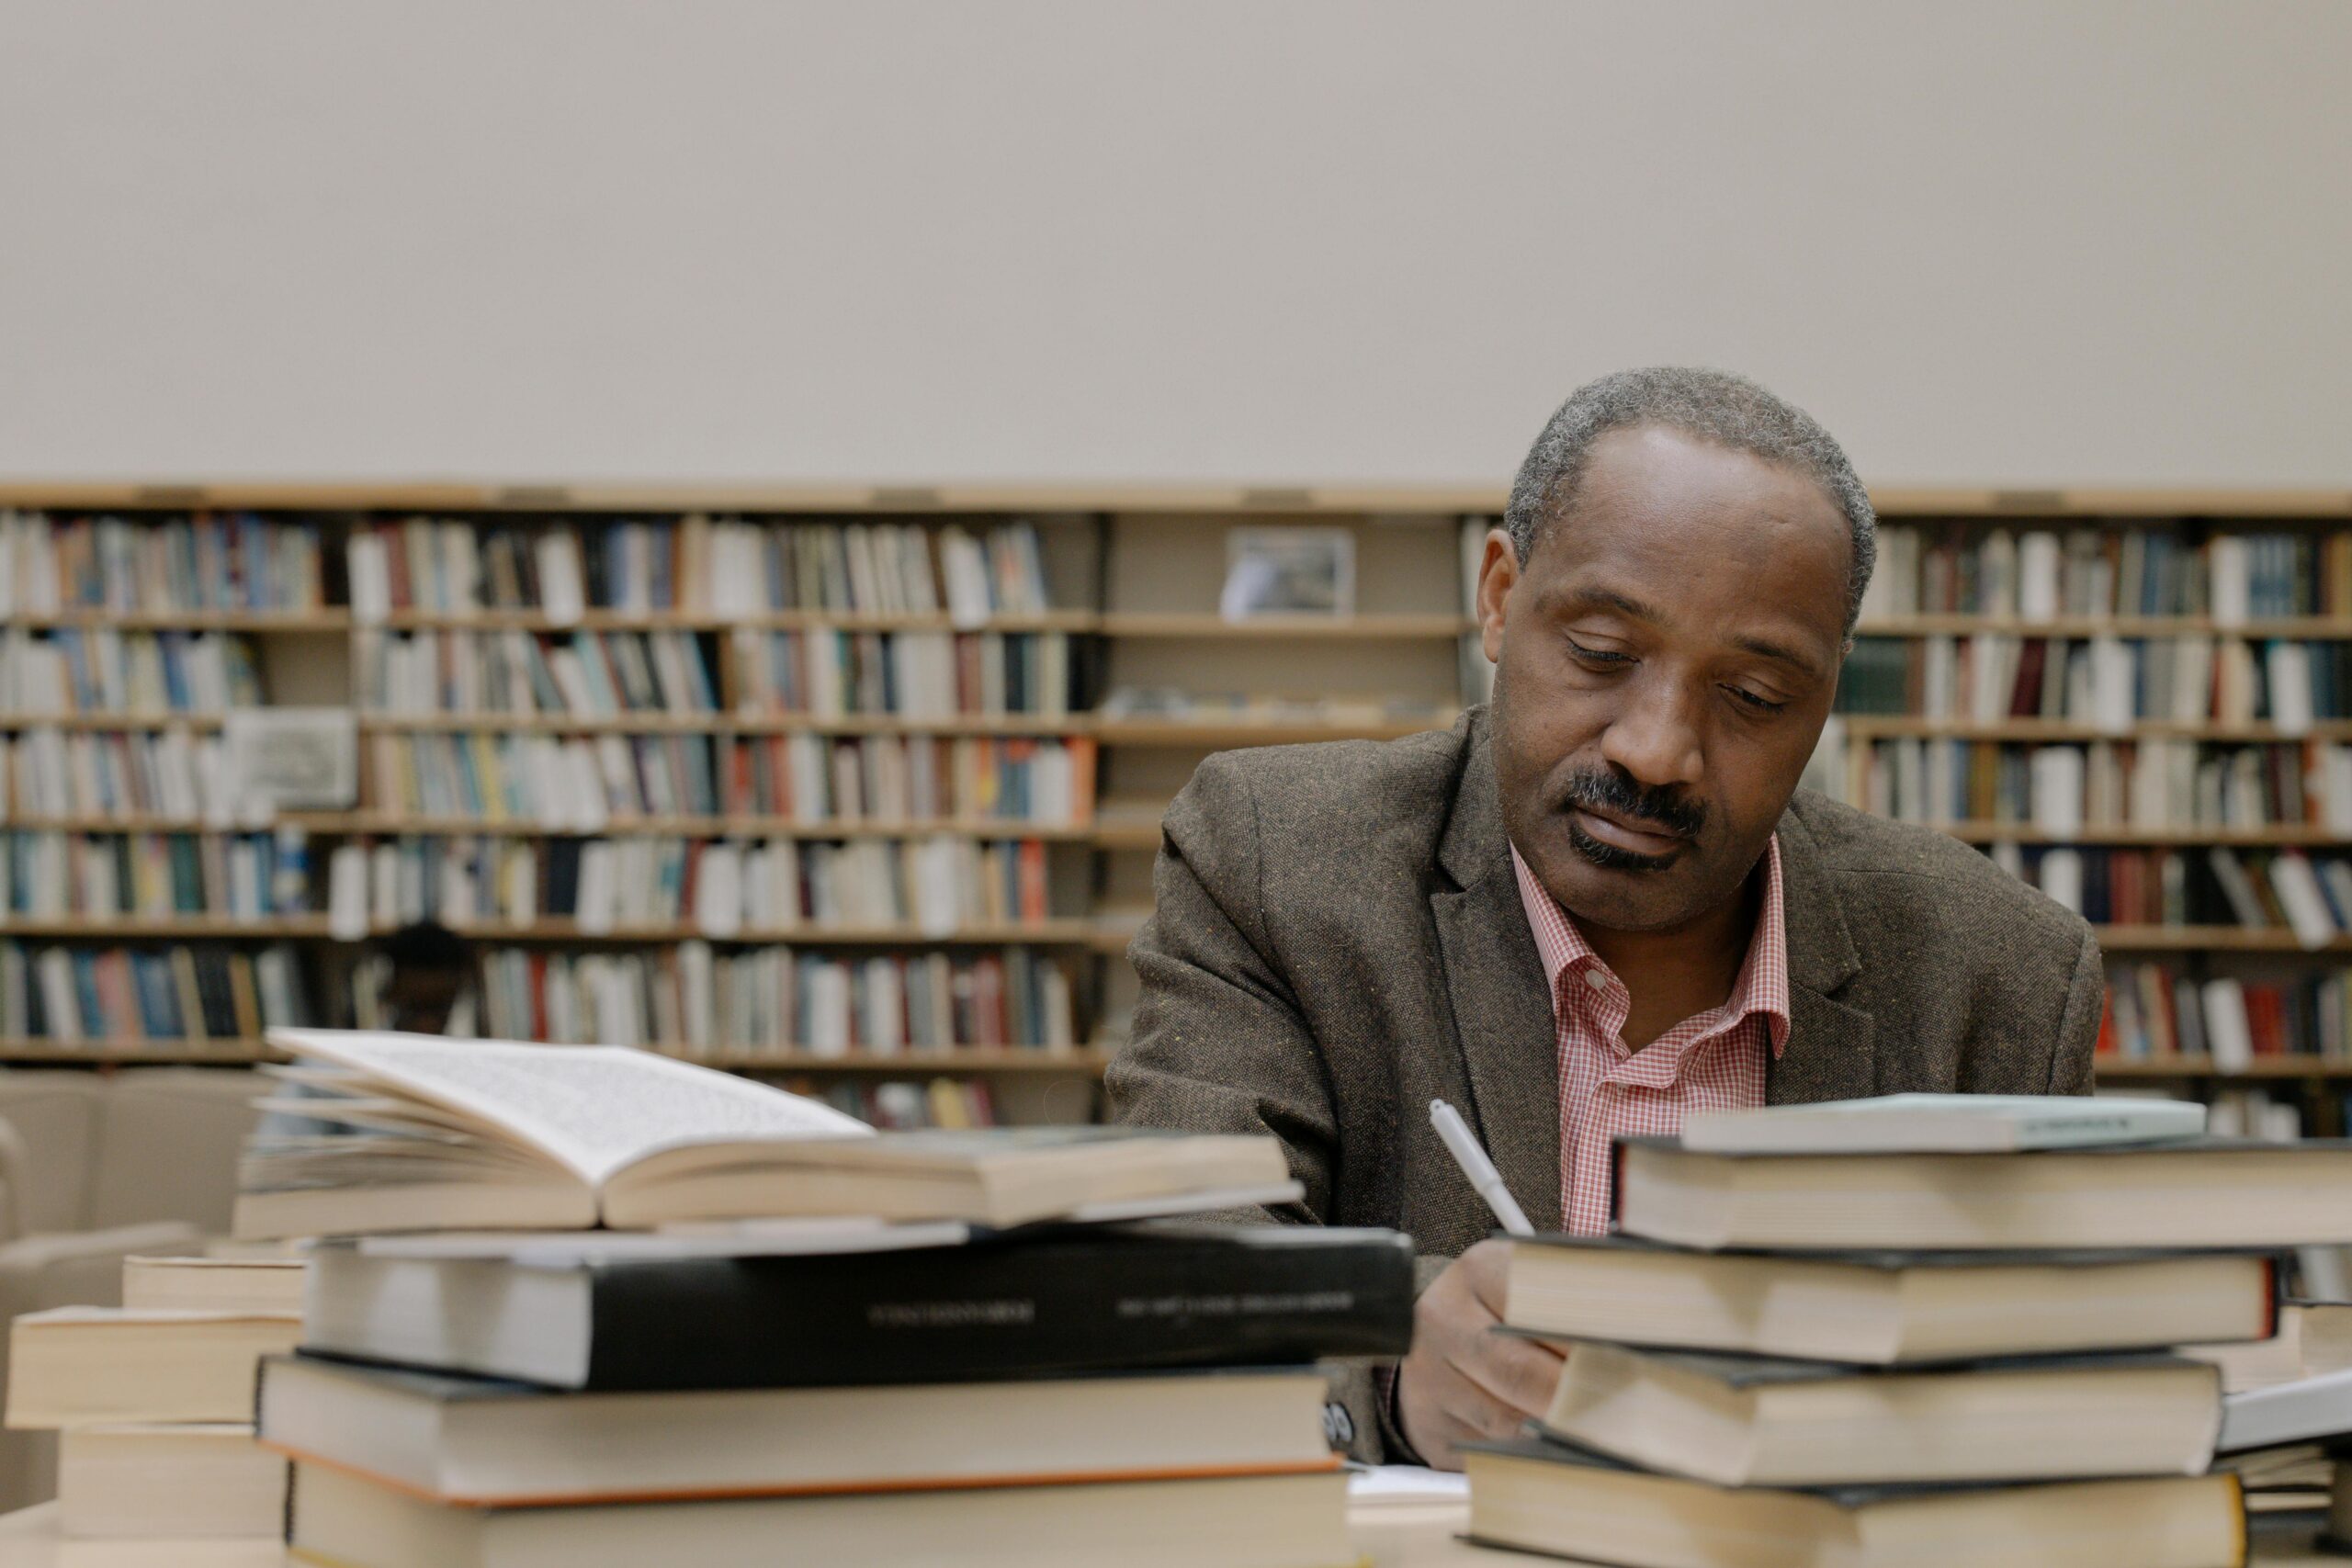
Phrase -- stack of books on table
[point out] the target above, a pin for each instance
(1887, 1333)
(817, 1344)
(153, 1402)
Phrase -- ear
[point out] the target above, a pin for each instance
(1498, 575)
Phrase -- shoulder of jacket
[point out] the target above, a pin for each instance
(1860, 848)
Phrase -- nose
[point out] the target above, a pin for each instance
(1655, 737)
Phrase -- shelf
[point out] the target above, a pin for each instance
(693, 827)
(1366, 628)
(718, 621)
(133, 928)
(2093, 834)
(911, 1063)
(2325, 628)
(2233, 939)
(1863, 727)
(928, 498)
(375, 721)
(1214, 734)
(1128, 824)
(2114, 1069)
(1061, 932)
(335, 619)
(112, 720)
(143, 1052)
(126, 825)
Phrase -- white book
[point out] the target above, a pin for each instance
(965, 566)
(593, 903)
(2228, 581)
(2111, 662)
(1924, 1123)
(2062, 877)
(2228, 1033)
(2193, 680)
(2038, 555)
(2307, 1410)
(563, 598)
(2057, 783)
(719, 890)
(347, 910)
(66, 1024)
(2299, 895)
(2290, 668)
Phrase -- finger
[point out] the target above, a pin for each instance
(1470, 1413)
(1519, 1372)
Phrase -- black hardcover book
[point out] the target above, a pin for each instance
(1044, 1301)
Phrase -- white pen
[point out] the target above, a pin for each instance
(1484, 1177)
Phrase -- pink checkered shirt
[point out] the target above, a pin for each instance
(1710, 1062)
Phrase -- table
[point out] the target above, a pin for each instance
(1390, 1536)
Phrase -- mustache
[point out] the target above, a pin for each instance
(1621, 796)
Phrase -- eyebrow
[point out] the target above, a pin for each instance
(1589, 598)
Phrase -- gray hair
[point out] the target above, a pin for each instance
(1714, 405)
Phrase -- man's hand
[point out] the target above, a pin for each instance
(1462, 1382)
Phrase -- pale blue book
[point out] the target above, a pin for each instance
(1944, 1123)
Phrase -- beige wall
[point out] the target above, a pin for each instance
(1215, 239)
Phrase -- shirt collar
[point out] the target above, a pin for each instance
(1762, 986)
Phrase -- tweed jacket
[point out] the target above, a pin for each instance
(1337, 939)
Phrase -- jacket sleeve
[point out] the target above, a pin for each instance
(2078, 1021)
(1220, 1043)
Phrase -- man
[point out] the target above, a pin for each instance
(428, 973)
(1595, 905)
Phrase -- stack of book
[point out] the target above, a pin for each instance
(153, 1399)
(1880, 1332)
(801, 1341)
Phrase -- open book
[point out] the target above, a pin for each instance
(407, 1133)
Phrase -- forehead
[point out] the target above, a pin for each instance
(1682, 522)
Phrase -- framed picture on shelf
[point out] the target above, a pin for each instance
(1288, 571)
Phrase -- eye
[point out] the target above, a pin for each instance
(1753, 703)
(1598, 658)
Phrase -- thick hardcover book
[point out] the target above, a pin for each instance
(1541, 1495)
(1064, 1300)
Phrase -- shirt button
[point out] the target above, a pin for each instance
(1596, 979)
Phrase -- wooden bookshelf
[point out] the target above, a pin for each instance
(1134, 589)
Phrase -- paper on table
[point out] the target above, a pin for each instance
(1404, 1483)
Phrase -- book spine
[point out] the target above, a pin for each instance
(1090, 1303)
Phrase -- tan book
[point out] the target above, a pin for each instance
(98, 1366)
(1264, 1521)
(269, 1285)
(1541, 1496)
(1889, 1308)
(2203, 1192)
(195, 1482)
(1771, 1421)
(474, 1134)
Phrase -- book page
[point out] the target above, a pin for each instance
(592, 1109)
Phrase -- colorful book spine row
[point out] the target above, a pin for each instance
(2041, 574)
(587, 783)
(584, 674)
(2212, 886)
(100, 876)
(190, 994)
(2162, 1010)
(725, 888)
(98, 670)
(696, 565)
(779, 1000)
(912, 674)
(166, 773)
(238, 562)
(2100, 681)
(2059, 790)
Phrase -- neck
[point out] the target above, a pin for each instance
(1680, 970)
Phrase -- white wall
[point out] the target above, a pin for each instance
(1204, 239)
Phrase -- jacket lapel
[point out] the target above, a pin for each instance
(1831, 1053)
(1494, 978)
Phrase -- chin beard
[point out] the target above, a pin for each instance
(1611, 857)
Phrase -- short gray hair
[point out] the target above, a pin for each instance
(1714, 405)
